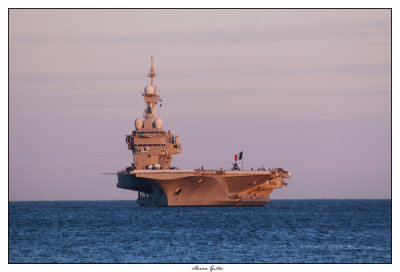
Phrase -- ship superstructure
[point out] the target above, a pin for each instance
(159, 184)
(152, 147)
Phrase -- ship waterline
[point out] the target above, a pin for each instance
(160, 184)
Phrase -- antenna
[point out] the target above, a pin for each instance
(152, 74)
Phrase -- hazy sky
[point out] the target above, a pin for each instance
(305, 90)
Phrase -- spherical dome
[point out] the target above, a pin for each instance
(158, 123)
(139, 123)
(149, 90)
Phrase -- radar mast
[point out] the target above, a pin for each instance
(152, 74)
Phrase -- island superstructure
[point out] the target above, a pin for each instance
(152, 147)
(159, 184)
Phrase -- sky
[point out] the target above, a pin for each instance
(305, 90)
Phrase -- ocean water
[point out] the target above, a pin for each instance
(283, 231)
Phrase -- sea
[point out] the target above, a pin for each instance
(282, 231)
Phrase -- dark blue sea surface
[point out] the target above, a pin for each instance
(283, 231)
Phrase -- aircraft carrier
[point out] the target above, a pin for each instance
(159, 184)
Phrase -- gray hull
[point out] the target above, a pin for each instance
(202, 188)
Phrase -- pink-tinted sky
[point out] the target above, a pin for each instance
(305, 90)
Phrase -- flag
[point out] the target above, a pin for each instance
(235, 157)
(240, 155)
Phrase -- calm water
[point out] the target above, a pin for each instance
(283, 231)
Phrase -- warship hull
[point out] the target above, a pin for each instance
(202, 187)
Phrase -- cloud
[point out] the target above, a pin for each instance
(268, 71)
(121, 83)
(210, 72)
(327, 31)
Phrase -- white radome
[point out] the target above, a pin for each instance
(158, 123)
(139, 123)
(149, 90)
